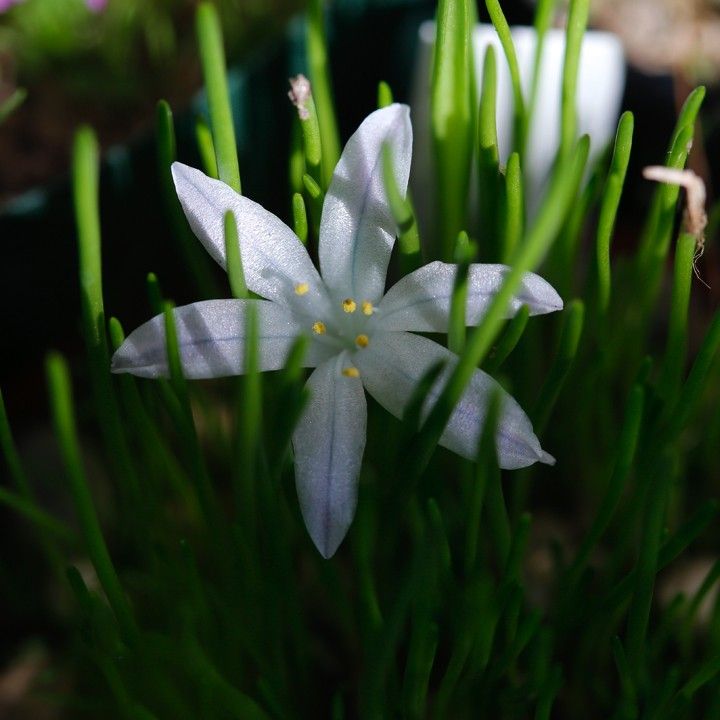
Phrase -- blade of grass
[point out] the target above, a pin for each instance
(404, 215)
(569, 341)
(625, 455)
(317, 59)
(212, 60)
(508, 340)
(421, 656)
(576, 24)
(514, 205)
(234, 265)
(385, 95)
(87, 217)
(302, 97)
(206, 147)
(608, 214)
(488, 162)
(463, 255)
(502, 28)
(452, 113)
(677, 340)
(193, 255)
(300, 220)
(647, 566)
(61, 400)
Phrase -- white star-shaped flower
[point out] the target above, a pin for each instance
(360, 337)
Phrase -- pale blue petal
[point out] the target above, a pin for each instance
(211, 339)
(357, 231)
(329, 442)
(420, 301)
(274, 260)
(393, 364)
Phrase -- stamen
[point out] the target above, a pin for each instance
(301, 288)
(349, 305)
(367, 308)
(319, 328)
(351, 372)
(362, 341)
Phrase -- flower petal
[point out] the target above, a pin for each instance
(211, 339)
(329, 442)
(357, 231)
(275, 262)
(393, 364)
(421, 300)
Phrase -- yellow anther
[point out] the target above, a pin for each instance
(362, 341)
(351, 372)
(367, 308)
(319, 328)
(301, 288)
(349, 305)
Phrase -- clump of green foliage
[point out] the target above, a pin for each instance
(442, 602)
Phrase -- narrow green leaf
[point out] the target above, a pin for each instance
(452, 112)
(147, 433)
(497, 18)
(385, 95)
(488, 163)
(677, 339)
(302, 97)
(508, 340)
(486, 480)
(154, 293)
(628, 709)
(695, 384)
(195, 258)
(608, 212)
(11, 455)
(576, 25)
(35, 514)
(625, 455)
(647, 566)
(404, 214)
(11, 104)
(316, 198)
(657, 232)
(236, 276)
(186, 426)
(514, 205)
(86, 191)
(300, 220)
(212, 59)
(420, 659)
(206, 147)
(61, 401)
(317, 57)
(548, 693)
(463, 256)
(569, 341)
(250, 419)
(296, 158)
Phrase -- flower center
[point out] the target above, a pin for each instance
(344, 324)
